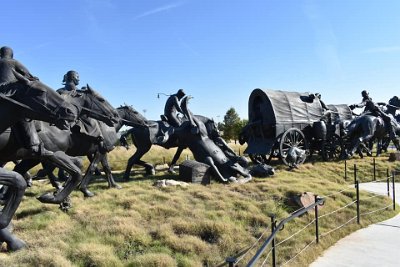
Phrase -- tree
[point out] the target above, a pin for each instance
(231, 124)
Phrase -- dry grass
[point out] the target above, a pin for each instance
(141, 225)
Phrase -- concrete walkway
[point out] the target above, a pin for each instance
(376, 245)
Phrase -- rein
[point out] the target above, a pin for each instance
(15, 102)
(105, 117)
(128, 122)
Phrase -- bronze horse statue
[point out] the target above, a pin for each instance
(33, 101)
(205, 150)
(145, 135)
(383, 139)
(71, 142)
(128, 116)
(366, 128)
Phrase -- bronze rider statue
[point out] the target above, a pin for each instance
(375, 110)
(13, 76)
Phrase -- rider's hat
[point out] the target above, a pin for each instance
(6, 51)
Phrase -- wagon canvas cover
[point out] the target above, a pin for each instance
(281, 107)
(274, 111)
(341, 112)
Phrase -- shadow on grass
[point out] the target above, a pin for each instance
(135, 177)
(28, 213)
(30, 194)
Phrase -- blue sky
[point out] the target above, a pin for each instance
(217, 50)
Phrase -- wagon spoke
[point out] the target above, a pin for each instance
(292, 138)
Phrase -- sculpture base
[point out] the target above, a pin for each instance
(192, 171)
(394, 156)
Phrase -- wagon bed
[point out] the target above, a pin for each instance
(272, 112)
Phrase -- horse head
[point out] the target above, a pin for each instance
(394, 101)
(394, 105)
(40, 102)
(131, 117)
(211, 126)
(94, 105)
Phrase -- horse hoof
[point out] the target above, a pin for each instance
(48, 198)
(86, 192)
(116, 186)
(151, 172)
(126, 177)
(232, 179)
(171, 171)
(16, 244)
(29, 183)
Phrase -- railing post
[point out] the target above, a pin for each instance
(273, 225)
(316, 220)
(387, 182)
(394, 191)
(374, 170)
(345, 170)
(358, 201)
(355, 173)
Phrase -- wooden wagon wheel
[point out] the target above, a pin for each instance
(292, 138)
(332, 148)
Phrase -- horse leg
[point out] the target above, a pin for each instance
(23, 166)
(148, 167)
(354, 146)
(96, 170)
(135, 159)
(61, 160)
(13, 243)
(243, 172)
(16, 188)
(175, 159)
(210, 162)
(26, 175)
(53, 179)
(107, 170)
(368, 149)
(61, 173)
(87, 176)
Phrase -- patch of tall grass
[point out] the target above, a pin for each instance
(141, 225)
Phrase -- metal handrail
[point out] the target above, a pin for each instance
(279, 227)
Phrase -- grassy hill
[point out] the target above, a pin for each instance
(141, 225)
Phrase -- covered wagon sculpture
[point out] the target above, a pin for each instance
(291, 126)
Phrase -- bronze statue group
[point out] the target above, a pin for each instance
(56, 128)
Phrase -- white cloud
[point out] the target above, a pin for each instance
(158, 10)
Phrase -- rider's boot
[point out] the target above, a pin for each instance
(164, 138)
(31, 139)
